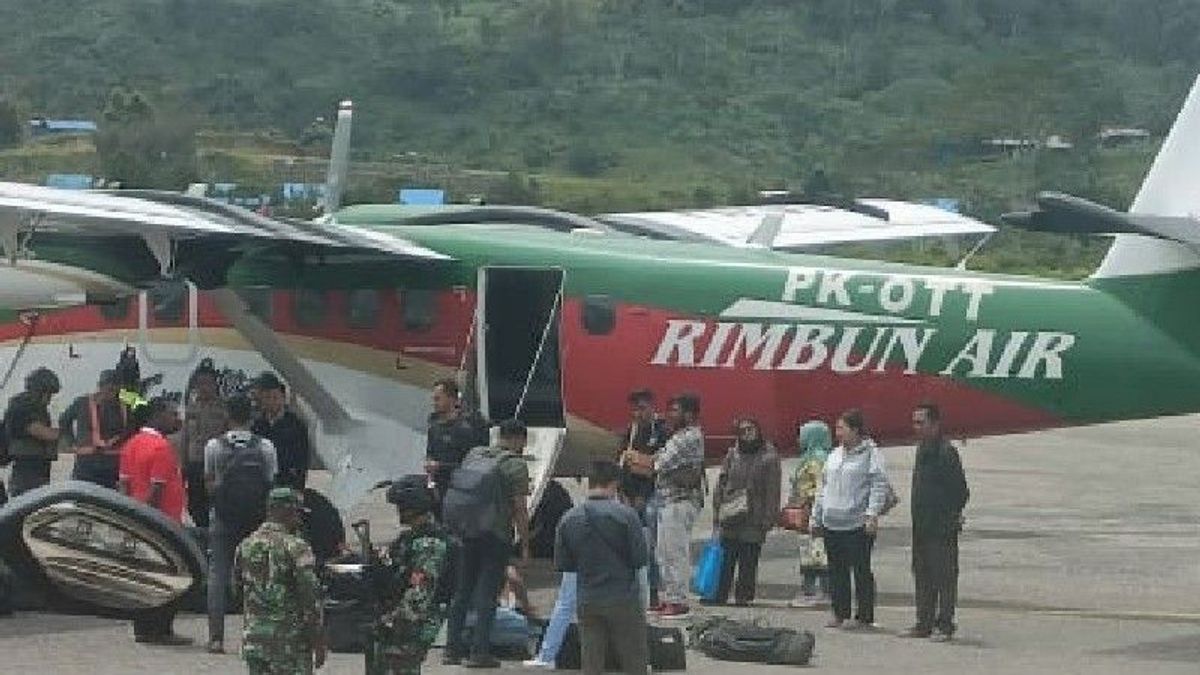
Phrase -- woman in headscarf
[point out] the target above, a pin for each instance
(746, 507)
(814, 443)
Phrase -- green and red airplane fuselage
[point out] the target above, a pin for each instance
(778, 337)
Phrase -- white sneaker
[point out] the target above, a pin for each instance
(538, 663)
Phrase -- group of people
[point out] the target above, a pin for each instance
(640, 513)
(218, 461)
(844, 491)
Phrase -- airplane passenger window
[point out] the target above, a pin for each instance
(309, 307)
(168, 301)
(599, 315)
(362, 308)
(116, 311)
(420, 309)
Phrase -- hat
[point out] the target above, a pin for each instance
(268, 380)
(284, 496)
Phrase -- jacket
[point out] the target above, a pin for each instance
(760, 475)
(939, 490)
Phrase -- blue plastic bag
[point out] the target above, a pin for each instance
(708, 571)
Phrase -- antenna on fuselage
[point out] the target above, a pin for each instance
(768, 230)
(339, 161)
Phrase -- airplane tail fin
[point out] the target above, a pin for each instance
(1169, 189)
(339, 160)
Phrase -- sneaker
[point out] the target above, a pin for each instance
(449, 659)
(481, 661)
(675, 611)
(712, 603)
(538, 663)
(864, 626)
(834, 623)
(216, 647)
(915, 632)
(803, 601)
(941, 635)
(657, 607)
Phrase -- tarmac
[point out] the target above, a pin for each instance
(1081, 554)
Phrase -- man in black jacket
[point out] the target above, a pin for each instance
(939, 494)
(286, 431)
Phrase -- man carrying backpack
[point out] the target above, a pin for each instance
(486, 499)
(239, 469)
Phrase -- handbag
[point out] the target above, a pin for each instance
(734, 506)
(707, 578)
(795, 518)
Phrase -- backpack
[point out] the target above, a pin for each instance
(240, 499)
(740, 641)
(5, 458)
(474, 501)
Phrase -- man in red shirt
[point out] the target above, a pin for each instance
(150, 473)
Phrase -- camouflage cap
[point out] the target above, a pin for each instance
(284, 496)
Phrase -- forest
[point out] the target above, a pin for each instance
(605, 105)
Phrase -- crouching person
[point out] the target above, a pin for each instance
(413, 585)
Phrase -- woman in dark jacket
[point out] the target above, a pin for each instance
(745, 508)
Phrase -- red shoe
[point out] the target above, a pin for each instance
(675, 611)
(657, 608)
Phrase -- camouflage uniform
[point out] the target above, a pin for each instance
(411, 614)
(282, 617)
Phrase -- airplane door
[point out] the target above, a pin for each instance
(518, 359)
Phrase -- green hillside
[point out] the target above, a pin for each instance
(613, 104)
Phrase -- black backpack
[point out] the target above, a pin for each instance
(474, 499)
(240, 500)
(729, 640)
(5, 458)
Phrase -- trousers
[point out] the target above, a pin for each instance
(621, 628)
(480, 577)
(674, 550)
(935, 573)
(28, 473)
(743, 556)
(850, 552)
(222, 545)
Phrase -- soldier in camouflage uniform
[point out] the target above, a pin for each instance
(408, 582)
(282, 632)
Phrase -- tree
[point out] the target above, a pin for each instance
(139, 147)
(11, 127)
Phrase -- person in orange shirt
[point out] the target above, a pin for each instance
(150, 473)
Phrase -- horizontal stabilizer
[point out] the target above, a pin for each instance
(1067, 214)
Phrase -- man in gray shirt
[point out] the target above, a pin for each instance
(601, 541)
(223, 536)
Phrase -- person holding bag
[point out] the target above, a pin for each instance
(854, 493)
(745, 508)
(814, 443)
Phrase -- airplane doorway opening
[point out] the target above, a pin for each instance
(520, 368)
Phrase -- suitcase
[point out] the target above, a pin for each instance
(667, 650)
(348, 607)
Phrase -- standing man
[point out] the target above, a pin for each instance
(939, 494)
(91, 425)
(645, 437)
(414, 583)
(601, 541)
(679, 484)
(204, 419)
(150, 473)
(282, 625)
(33, 442)
(286, 431)
(486, 500)
(452, 433)
(239, 469)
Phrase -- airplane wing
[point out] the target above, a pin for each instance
(166, 216)
(798, 226)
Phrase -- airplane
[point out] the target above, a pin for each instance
(555, 317)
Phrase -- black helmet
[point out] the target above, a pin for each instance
(42, 381)
(411, 493)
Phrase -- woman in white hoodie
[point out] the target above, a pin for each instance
(854, 493)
